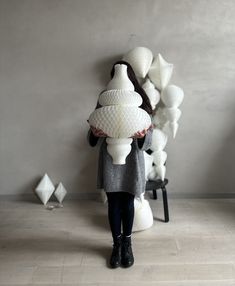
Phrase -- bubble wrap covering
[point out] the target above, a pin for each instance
(119, 121)
(117, 96)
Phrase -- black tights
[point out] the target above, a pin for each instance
(120, 211)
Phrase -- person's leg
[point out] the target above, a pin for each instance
(128, 212)
(127, 258)
(114, 215)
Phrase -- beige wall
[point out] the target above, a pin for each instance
(55, 57)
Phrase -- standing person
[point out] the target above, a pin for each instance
(123, 182)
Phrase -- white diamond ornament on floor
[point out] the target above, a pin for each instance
(120, 117)
(45, 189)
(60, 192)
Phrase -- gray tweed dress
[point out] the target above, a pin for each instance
(126, 178)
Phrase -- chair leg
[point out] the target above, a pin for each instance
(155, 194)
(165, 204)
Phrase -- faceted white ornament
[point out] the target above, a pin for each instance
(140, 58)
(60, 192)
(45, 189)
(152, 93)
(143, 218)
(160, 72)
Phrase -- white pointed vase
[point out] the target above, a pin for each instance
(45, 189)
(160, 72)
(140, 58)
(172, 96)
(120, 117)
(152, 93)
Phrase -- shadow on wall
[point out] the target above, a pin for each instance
(221, 174)
(103, 68)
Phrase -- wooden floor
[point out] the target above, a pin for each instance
(71, 245)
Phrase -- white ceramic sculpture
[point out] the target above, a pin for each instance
(160, 72)
(140, 58)
(120, 117)
(159, 140)
(172, 96)
(60, 192)
(45, 189)
(148, 159)
(152, 93)
(143, 218)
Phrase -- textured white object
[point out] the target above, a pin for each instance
(120, 117)
(159, 157)
(161, 171)
(120, 121)
(172, 96)
(159, 140)
(143, 217)
(173, 114)
(120, 96)
(160, 72)
(119, 148)
(152, 93)
(148, 160)
(45, 189)
(120, 79)
(140, 58)
(60, 192)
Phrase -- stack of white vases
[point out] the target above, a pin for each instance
(120, 116)
(154, 74)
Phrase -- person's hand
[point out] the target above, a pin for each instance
(98, 132)
(141, 134)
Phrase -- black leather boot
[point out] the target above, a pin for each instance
(127, 258)
(115, 258)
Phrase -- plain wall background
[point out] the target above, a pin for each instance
(55, 58)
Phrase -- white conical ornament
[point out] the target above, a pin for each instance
(148, 163)
(45, 189)
(173, 115)
(143, 217)
(120, 117)
(160, 72)
(152, 93)
(140, 58)
(159, 140)
(172, 96)
(159, 159)
(60, 192)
